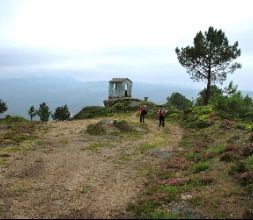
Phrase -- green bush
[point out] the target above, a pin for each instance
(234, 107)
(91, 112)
(178, 101)
(13, 119)
(175, 116)
(95, 129)
(122, 125)
(249, 163)
(198, 116)
(216, 149)
(3, 106)
(120, 107)
(61, 113)
(238, 167)
(214, 92)
(43, 112)
(32, 112)
(229, 157)
(201, 166)
(123, 104)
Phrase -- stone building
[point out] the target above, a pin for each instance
(120, 88)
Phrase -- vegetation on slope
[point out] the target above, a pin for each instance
(210, 175)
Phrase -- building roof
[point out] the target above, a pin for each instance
(120, 80)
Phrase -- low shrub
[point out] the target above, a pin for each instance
(233, 140)
(13, 119)
(199, 167)
(247, 150)
(227, 124)
(229, 157)
(122, 125)
(249, 162)
(199, 117)
(238, 167)
(95, 129)
(244, 178)
(92, 112)
(235, 106)
(248, 213)
(251, 138)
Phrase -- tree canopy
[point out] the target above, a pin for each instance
(44, 112)
(61, 113)
(32, 112)
(178, 101)
(210, 58)
(3, 106)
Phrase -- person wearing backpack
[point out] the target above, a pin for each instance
(143, 112)
(161, 113)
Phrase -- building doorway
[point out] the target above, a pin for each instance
(126, 87)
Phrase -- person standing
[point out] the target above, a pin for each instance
(143, 111)
(162, 112)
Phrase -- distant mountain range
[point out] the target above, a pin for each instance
(20, 94)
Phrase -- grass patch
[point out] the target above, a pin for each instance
(199, 167)
(123, 157)
(97, 146)
(17, 130)
(8, 150)
(19, 190)
(148, 146)
(249, 163)
(123, 126)
(199, 181)
(169, 189)
(165, 175)
(160, 214)
(192, 156)
(91, 112)
(3, 160)
(216, 149)
(86, 189)
(144, 169)
(1, 210)
(95, 129)
(150, 210)
(157, 141)
(185, 143)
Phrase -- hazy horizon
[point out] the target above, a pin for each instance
(98, 40)
(20, 94)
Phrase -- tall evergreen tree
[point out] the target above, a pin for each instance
(3, 106)
(178, 101)
(210, 58)
(32, 112)
(61, 113)
(44, 112)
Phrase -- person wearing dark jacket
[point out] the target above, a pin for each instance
(143, 112)
(161, 113)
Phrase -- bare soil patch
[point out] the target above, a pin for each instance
(67, 173)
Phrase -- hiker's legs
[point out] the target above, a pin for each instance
(142, 118)
(163, 120)
(160, 120)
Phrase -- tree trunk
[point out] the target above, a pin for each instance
(208, 90)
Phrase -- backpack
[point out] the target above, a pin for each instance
(162, 112)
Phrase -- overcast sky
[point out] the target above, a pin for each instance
(98, 40)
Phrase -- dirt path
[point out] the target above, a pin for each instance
(70, 174)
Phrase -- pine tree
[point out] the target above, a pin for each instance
(210, 59)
